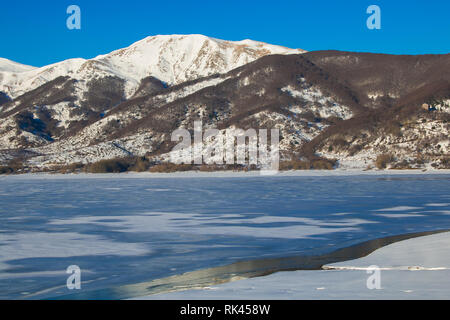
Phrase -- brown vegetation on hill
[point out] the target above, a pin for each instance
(384, 92)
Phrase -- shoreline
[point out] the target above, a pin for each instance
(227, 174)
(414, 268)
(244, 270)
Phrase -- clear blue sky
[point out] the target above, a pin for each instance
(35, 33)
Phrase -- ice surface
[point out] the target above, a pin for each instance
(129, 228)
(412, 269)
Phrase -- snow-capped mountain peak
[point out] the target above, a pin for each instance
(178, 58)
(170, 58)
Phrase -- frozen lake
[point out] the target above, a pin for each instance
(125, 230)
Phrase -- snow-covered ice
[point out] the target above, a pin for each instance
(128, 229)
(417, 268)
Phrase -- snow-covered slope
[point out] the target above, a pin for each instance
(11, 66)
(178, 58)
(170, 58)
(15, 84)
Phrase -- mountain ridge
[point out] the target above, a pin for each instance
(163, 56)
(346, 106)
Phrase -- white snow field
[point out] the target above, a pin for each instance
(11, 66)
(417, 268)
